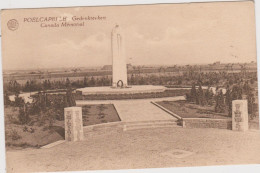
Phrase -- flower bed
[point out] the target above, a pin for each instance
(189, 110)
(97, 114)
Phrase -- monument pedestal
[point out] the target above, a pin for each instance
(73, 124)
(239, 115)
(134, 89)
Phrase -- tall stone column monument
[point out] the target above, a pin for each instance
(118, 58)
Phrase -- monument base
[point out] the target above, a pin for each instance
(114, 87)
(118, 90)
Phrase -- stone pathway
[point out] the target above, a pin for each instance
(138, 109)
(141, 111)
(146, 148)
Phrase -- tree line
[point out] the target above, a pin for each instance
(185, 79)
(223, 102)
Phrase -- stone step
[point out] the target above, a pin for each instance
(146, 125)
(123, 126)
(151, 122)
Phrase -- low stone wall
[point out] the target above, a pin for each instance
(166, 93)
(207, 123)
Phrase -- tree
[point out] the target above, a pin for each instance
(27, 86)
(141, 81)
(23, 114)
(209, 96)
(228, 100)
(92, 81)
(68, 84)
(18, 101)
(251, 101)
(7, 101)
(49, 84)
(246, 88)
(85, 82)
(70, 98)
(14, 87)
(236, 93)
(200, 96)
(220, 105)
(193, 93)
(132, 79)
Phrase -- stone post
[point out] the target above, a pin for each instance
(239, 115)
(73, 124)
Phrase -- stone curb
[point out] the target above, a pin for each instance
(168, 111)
(53, 144)
(182, 120)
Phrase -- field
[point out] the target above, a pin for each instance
(74, 74)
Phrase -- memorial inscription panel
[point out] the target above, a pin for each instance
(239, 115)
(73, 124)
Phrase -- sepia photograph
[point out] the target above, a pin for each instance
(130, 86)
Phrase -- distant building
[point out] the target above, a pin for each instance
(107, 67)
(216, 63)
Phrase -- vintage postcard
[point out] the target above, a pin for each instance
(130, 87)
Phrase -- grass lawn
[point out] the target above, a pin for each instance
(34, 135)
(97, 114)
(38, 133)
(189, 110)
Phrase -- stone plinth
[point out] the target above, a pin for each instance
(73, 124)
(134, 89)
(239, 115)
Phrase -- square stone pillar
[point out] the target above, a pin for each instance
(73, 124)
(239, 115)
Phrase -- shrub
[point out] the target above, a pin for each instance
(12, 119)
(25, 129)
(14, 135)
(220, 104)
(18, 101)
(23, 115)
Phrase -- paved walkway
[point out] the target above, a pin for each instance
(146, 148)
(137, 109)
(141, 111)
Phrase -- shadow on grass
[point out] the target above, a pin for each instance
(22, 145)
(60, 130)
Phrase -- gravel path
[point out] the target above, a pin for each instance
(146, 148)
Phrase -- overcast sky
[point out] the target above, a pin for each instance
(195, 33)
